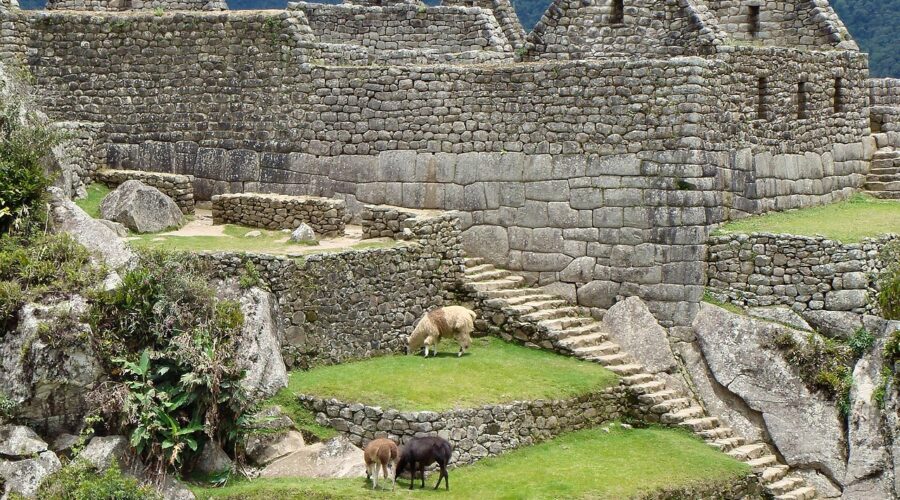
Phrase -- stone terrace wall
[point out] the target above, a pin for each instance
(327, 217)
(385, 222)
(177, 187)
(356, 304)
(122, 5)
(474, 433)
(802, 272)
(885, 95)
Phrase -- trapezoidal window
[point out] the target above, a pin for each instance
(762, 91)
(617, 12)
(838, 95)
(753, 21)
(802, 100)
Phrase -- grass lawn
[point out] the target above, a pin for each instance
(493, 371)
(847, 221)
(91, 203)
(584, 464)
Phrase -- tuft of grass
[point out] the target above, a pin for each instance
(709, 298)
(847, 221)
(304, 419)
(494, 371)
(622, 463)
(91, 203)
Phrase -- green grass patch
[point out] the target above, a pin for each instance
(91, 203)
(493, 371)
(304, 419)
(848, 221)
(585, 464)
(709, 298)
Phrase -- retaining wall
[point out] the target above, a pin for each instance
(175, 186)
(327, 217)
(885, 101)
(386, 222)
(802, 272)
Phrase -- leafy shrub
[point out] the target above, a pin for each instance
(860, 342)
(78, 480)
(824, 364)
(8, 408)
(889, 281)
(250, 276)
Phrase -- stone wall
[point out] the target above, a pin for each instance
(791, 23)
(885, 100)
(385, 222)
(327, 217)
(474, 433)
(123, 5)
(803, 272)
(357, 303)
(175, 186)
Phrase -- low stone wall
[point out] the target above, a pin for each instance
(327, 217)
(474, 433)
(178, 187)
(351, 305)
(385, 222)
(743, 488)
(803, 272)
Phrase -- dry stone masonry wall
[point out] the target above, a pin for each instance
(128, 5)
(327, 217)
(885, 104)
(178, 187)
(385, 222)
(805, 273)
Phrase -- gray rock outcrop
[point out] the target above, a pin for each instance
(259, 346)
(804, 426)
(834, 324)
(335, 458)
(24, 477)
(103, 242)
(20, 441)
(141, 208)
(303, 234)
(780, 314)
(631, 324)
(276, 439)
(212, 459)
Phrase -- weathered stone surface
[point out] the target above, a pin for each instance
(17, 441)
(631, 325)
(212, 459)
(24, 477)
(488, 242)
(845, 300)
(49, 383)
(118, 228)
(100, 240)
(834, 324)
(259, 346)
(334, 458)
(804, 427)
(303, 234)
(264, 449)
(781, 315)
(141, 208)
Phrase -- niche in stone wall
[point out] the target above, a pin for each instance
(838, 95)
(762, 96)
(753, 20)
(802, 100)
(617, 12)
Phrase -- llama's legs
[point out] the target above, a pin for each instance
(426, 350)
(412, 475)
(423, 475)
(372, 474)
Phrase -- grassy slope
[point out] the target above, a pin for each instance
(494, 371)
(849, 221)
(91, 203)
(583, 464)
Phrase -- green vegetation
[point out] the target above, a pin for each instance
(848, 221)
(78, 480)
(304, 419)
(709, 298)
(585, 464)
(494, 371)
(889, 281)
(873, 24)
(91, 203)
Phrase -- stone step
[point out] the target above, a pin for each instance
(672, 405)
(609, 360)
(888, 170)
(526, 299)
(761, 463)
(507, 293)
(885, 154)
(700, 424)
(656, 398)
(564, 323)
(502, 284)
(773, 473)
(749, 451)
(553, 313)
(649, 387)
(727, 444)
(882, 186)
(640, 378)
(489, 275)
(478, 268)
(720, 432)
(474, 261)
(621, 370)
(535, 305)
(804, 493)
(884, 195)
(682, 415)
(583, 340)
(785, 485)
(597, 350)
(577, 331)
(885, 178)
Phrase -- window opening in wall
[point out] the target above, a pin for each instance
(801, 100)
(761, 94)
(753, 20)
(617, 16)
(838, 95)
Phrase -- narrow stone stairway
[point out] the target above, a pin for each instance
(883, 179)
(546, 321)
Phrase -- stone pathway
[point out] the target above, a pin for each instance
(547, 321)
(883, 179)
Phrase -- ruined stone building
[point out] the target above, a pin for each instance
(593, 154)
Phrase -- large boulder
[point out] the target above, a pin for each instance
(24, 477)
(141, 208)
(834, 324)
(780, 314)
(20, 441)
(335, 458)
(303, 234)
(212, 459)
(276, 437)
(259, 346)
(49, 380)
(102, 241)
(804, 426)
(631, 324)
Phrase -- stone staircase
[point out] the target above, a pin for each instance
(546, 321)
(883, 179)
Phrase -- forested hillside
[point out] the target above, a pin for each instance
(874, 24)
